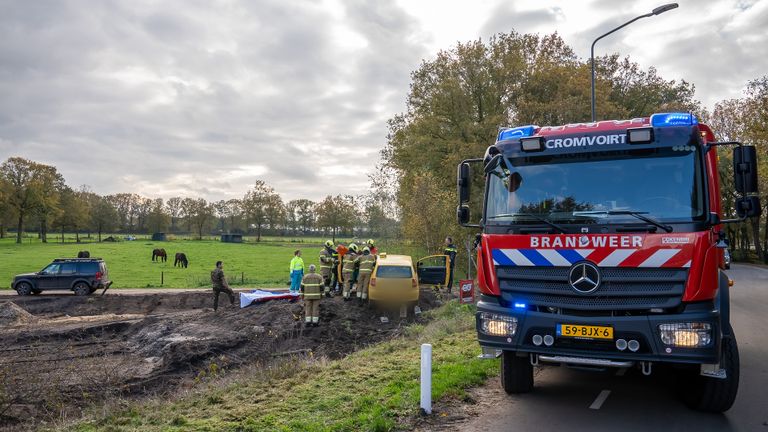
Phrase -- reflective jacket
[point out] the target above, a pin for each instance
(451, 251)
(312, 286)
(366, 263)
(348, 262)
(297, 263)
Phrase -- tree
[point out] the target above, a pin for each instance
(174, 210)
(74, 212)
(187, 210)
(256, 204)
(50, 186)
(221, 211)
(157, 217)
(234, 213)
(275, 212)
(103, 215)
(300, 215)
(200, 214)
(22, 189)
(336, 213)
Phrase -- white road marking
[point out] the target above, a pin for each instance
(600, 400)
(621, 372)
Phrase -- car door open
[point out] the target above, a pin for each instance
(433, 270)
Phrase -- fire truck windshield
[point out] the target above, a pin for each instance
(665, 184)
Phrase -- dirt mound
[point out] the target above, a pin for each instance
(151, 345)
(12, 314)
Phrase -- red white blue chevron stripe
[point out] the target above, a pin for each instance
(651, 251)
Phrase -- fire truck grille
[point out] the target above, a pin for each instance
(620, 288)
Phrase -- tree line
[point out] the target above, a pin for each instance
(35, 197)
(459, 99)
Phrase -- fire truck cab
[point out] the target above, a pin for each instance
(602, 246)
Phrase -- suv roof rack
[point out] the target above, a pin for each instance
(78, 259)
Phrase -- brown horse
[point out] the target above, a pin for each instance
(83, 254)
(181, 260)
(160, 255)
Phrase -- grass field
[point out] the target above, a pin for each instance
(251, 264)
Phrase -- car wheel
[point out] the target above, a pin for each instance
(81, 289)
(24, 288)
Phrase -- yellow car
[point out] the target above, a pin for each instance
(394, 279)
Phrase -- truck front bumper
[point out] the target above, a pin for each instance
(641, 328)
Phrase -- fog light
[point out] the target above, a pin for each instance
(497, 325)
(686, 335)
(621, 344)
(537, 340)
(633, 345)
(549, 340)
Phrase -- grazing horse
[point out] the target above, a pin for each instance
(160, 255)
(181, 260)
(83, 254)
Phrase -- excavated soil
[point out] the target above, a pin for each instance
(60, 353)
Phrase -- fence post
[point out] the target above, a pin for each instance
(242, 278)
(426, 378)
(162, 278)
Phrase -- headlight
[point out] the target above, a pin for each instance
(497, 325)
(686, 335)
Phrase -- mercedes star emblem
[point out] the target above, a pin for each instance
(584, 277)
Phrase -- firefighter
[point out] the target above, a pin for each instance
(374, 250)
(450, 251)
(326, 266)
(366, 261)
(220, 285)
(348, 269)
(297, 270)
(353, 247)
(311, 292)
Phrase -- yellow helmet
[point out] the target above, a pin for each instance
(366, 249)
(329, 243)
(353, 247)
(369, 242)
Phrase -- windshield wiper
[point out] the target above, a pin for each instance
(533, 216)
(639, 215)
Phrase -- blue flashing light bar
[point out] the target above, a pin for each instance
(518, 132)
(673, 119)
(520, 306)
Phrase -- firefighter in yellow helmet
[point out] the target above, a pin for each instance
(366, 261)
(348, 269)
(326, 265)
(372, 247)
(311, 293)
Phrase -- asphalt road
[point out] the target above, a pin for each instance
(571, 400)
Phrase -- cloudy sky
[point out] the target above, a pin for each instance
(201, 98)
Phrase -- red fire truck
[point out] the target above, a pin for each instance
(602, 246)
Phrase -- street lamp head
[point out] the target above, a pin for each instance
(661, 9)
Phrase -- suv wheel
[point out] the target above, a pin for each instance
(24, 288)
(81, 289)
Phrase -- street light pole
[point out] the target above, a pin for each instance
(659, 10)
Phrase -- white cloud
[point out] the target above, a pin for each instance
(203, 98)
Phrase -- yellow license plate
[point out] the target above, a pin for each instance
(584, 331)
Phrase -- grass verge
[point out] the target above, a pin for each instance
(375, 389)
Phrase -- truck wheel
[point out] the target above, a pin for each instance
(24, 288)
(516, 373)
(715, 394)
(81, 289)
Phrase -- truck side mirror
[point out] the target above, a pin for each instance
(745, 169)
(462, 214)
(463, 183)
(748, 207)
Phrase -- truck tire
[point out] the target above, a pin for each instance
(24, 288)
(81, 289)
(714, 394)
(516, 373)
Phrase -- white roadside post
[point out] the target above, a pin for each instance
(426, 378)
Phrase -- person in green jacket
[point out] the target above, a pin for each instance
(297, 271)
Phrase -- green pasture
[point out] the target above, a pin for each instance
(251, 264)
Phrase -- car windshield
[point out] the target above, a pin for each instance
(395, 272)
(661, 183)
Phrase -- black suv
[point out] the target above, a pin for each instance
(81, 275)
